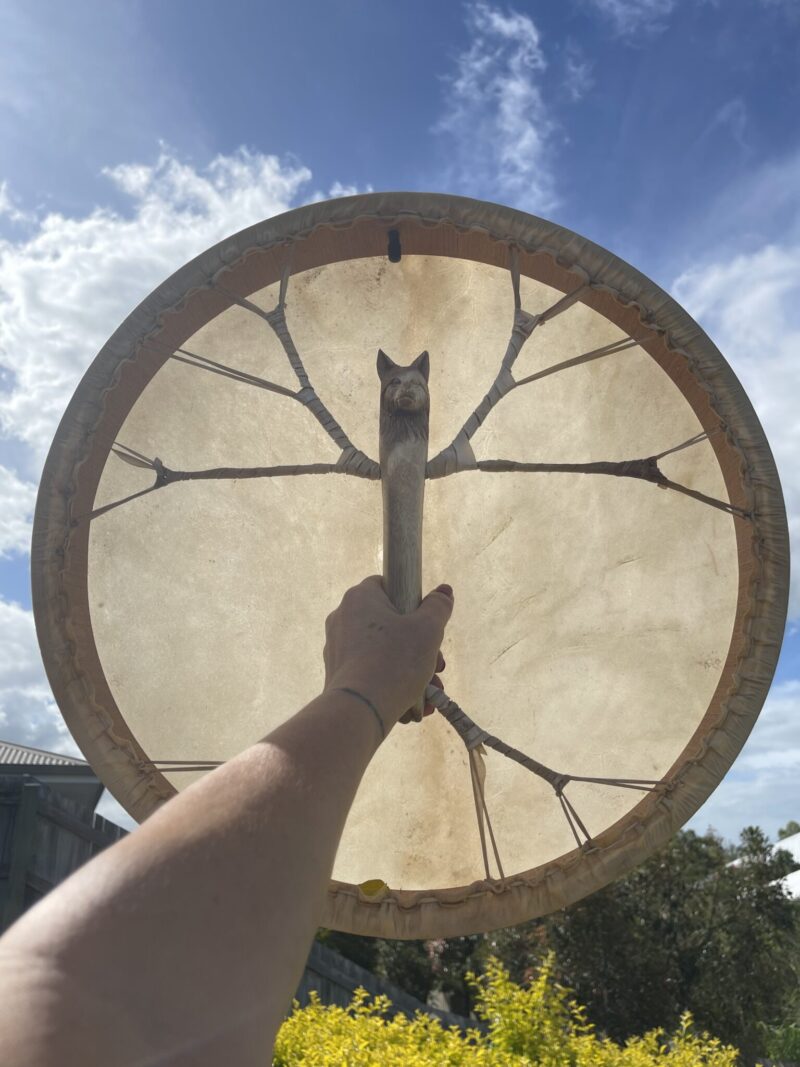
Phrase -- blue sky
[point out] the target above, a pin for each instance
(135, 134)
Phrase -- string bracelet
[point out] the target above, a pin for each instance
(370, 705)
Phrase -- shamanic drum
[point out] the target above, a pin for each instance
(598, 491)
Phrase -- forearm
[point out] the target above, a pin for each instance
(197, 926)
(183, 943)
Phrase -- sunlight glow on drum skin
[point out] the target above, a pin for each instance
(606, 621)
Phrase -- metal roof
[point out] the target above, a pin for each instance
(791, 884)
(24, 754)
(791, 844)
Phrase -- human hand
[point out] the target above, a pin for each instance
(387, 657)
(428, 709)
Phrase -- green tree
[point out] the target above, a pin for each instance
(361, 950)
(789, 829)
(454, 960)
(699, 927)
(417, 967)
(702, 927)
(409, 965)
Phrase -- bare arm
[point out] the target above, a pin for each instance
(184, 943)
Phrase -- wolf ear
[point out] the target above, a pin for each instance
(384, 364)
(423, 364)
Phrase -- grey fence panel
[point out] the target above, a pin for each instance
(59, 846)
(336, 978)
(44, 837)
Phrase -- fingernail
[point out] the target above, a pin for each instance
(446, 589)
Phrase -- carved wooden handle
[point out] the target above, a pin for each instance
(403, 439)
(403, 484)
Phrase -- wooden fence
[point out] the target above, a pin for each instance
(335, 979)
(44, 837)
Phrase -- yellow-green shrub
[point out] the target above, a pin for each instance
(538, 1025)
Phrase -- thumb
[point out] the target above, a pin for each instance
(439, 604)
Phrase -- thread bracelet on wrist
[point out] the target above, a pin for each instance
(370, 705)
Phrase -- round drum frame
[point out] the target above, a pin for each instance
(432, 225)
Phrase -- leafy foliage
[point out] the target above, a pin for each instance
(454, 960)
(782, 1043)
(688, 930)
(417, 967)
(701, 926)
(362, 1036)
(409, 964)
(539, 1024)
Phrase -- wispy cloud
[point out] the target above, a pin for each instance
(495, 118)
(28, 713)
(732, 118)
(64, 287)
(761, 206)
(71, 281)
(630, 18)
(578, 77)
(17, 500)
(750, 306)
(9, 208)
(786, 7)
(646, 18)
(761, 789)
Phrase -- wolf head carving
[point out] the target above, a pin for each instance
(405, 400)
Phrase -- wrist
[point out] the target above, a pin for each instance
(381, 696)
(367, 704)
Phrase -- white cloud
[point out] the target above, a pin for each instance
(9, 208)
(750, 306)
(747, 297)
(646, 18)
(731, 116)
(338, 189)
(632, 17)
(68, 285)
(577, 72)
(64, 287)
(17, 500)
(761, 789)
(495, 116)
(762, 205)
(28, 713)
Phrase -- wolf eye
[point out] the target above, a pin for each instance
(395, 381)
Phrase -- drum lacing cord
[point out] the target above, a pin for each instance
(477, 739)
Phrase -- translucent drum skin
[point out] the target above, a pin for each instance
(598, 491)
